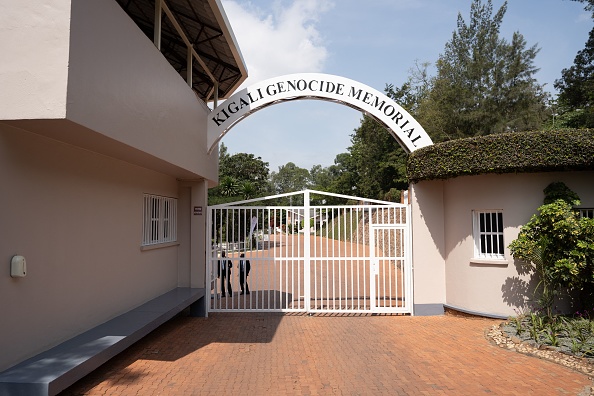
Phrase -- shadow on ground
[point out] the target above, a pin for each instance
(197, 333)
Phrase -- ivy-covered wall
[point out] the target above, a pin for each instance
(517, 152)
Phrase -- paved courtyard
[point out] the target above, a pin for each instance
(274, 354)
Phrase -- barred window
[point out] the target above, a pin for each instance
(488, 234)
(160, 220)
(587, 212)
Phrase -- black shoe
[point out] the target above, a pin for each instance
(241, 293)
(223, 295)
(248, 292)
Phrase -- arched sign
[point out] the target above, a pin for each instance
(405, 129)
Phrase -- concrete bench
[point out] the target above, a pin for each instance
(54, 370)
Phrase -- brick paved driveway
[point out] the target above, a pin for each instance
(274, 354)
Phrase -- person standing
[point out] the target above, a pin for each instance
(244, 271)
(225, 266)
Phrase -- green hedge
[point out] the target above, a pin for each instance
(518, 152)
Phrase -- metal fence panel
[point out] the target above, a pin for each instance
(311, 258)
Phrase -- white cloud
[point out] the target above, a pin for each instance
(281, 40)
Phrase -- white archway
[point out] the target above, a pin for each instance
(403, 127)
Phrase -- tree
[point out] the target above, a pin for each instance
(244, 167)
(415, 90)
(248, 190)
(228, 187)
(241, 176)
(320, 178)
(483, 85)
(344, 177)
(576, 89)
(378, 160)
(558, 247)
(289, 178)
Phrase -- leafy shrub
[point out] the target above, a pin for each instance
(518, 152)
(557, 246)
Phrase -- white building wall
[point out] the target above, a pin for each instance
(34, 66)
(91, 117)
(492, 287)
(77, 219)
(121, 86)
(428, 249)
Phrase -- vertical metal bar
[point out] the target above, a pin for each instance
(338, 277)
(367, 262)
(329, 223)
(218, 245)
(337, 242)
(189, 69)
(175, 221)
(157, 28)
(356, 231)
(216, 93)
(208, 274)
(306, 250)
(357, 284)
(284, 263)
(403, 264)
(373, 264)
(144, 219)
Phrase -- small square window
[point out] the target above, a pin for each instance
(160, 220)
(488, 234)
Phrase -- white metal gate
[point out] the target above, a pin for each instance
(311, 258)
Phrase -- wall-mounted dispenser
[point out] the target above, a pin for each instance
(18, 267)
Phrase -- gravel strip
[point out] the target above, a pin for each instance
(583, 365)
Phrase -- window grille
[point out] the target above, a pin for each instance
(587, 212)
(160, 220)
(488, 234)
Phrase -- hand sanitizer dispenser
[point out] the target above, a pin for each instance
(18, 267)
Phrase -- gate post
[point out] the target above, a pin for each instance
(306, 251)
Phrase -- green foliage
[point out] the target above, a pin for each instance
(344, 175)
(244, 167)
(558, 248)
(576, 87)
(558, 190)
(549, 151)
(320, 178)
(241, 176)
(248, 190)
(379, 162)
(415, 90)
(228, 186)
(484, 83)
(570, 334)
(289, 178)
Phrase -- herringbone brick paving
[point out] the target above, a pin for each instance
(274, 354)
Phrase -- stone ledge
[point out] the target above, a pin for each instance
(54, 370)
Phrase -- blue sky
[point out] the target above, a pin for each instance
(375, 42)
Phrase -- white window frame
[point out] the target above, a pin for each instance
(492, 231)
(159, 223)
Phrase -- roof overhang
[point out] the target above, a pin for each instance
(206, 27)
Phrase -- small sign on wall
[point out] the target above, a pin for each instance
(197, 210)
